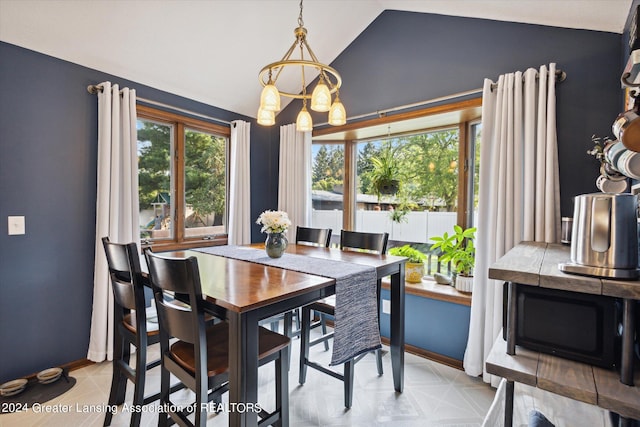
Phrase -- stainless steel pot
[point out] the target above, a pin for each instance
(604, 238)
(626, 127)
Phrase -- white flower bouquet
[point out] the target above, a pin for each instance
(274, 222)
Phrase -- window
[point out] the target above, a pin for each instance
(436, 160)
(182, 173)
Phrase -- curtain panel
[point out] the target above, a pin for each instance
(519, 197)
(239, 184)
(294, 182)
(117, 206)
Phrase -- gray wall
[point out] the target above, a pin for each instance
(404, 57)
(48, 149)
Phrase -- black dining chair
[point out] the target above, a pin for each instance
(198, 355)
(349, 241)
(132, 326)
(320, 237)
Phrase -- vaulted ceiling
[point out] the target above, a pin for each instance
(212, 50)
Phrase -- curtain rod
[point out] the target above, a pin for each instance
(94, 89)
(560, 77)
(382, 113)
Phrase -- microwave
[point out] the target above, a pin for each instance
(576, 326)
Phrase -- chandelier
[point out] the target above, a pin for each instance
(329, 82)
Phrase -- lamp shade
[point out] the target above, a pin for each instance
(321, 97)
(304, 122)
(266, 117)
(270, 98)
(337, 113)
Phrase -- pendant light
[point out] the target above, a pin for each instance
(329, 82)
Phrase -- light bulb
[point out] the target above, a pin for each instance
(304, 122)
(337, 113)
(270, 98)
(321, 97)
(266, 117)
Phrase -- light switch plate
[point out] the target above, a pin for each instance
(16, 225)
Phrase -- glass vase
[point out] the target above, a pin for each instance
(276, 244)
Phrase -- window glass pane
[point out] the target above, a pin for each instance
(423, 200)
(155, 145)
(476, 134)
(327, 177)
(205, 186)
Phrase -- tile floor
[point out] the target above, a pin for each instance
(434, 395)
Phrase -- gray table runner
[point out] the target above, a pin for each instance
(356, 320)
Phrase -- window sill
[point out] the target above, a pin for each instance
(187, 244)
(430, 289)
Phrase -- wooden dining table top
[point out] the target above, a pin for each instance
(242, 286)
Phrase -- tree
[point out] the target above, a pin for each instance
(432, 161)
(204, 174)
(364, 167)
(154, 162)
(204, 169)
(327, 170)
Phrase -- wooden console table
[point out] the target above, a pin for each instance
(536, 264)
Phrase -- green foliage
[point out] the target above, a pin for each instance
(327, 169)
(204, 169)
(385, 170)
(414, 255)
(457, 248)
(424, 164)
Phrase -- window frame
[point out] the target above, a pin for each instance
(181, 123)
(465, 151)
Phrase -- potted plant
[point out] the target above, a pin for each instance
(458, 248)
(414, 270)
(385, 173)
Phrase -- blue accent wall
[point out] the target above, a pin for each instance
(48, 155)
(438, 326)
(48, 133)
(404, 58)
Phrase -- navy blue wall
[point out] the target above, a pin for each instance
(437, 326)
(48, 137)
(404, 57)
(48, 148)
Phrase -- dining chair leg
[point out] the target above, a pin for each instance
(323, 327)
(118, 378)
(304, 344)
(379, 361)
(288, 325)
(163, 417)
(138, 389)
(297, 315)
(282, 387)
(348, 383)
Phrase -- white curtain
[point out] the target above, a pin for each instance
(239, 184)
(519, 195)
(117, 207)
(294, 183)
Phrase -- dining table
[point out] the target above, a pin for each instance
(245, 292)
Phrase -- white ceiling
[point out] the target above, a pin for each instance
(212, 50)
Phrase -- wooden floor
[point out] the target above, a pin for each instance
(435, 395)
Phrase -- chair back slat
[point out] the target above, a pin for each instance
(372, 242)
(176, 319)
(173, 278)
(313, 236)
(125, 274)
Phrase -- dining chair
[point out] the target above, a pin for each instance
(311, 237)
(349, 241)
(198, 355)
(133, 325)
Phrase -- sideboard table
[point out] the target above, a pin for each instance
(536, 264)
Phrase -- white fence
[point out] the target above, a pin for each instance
(417, 227)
